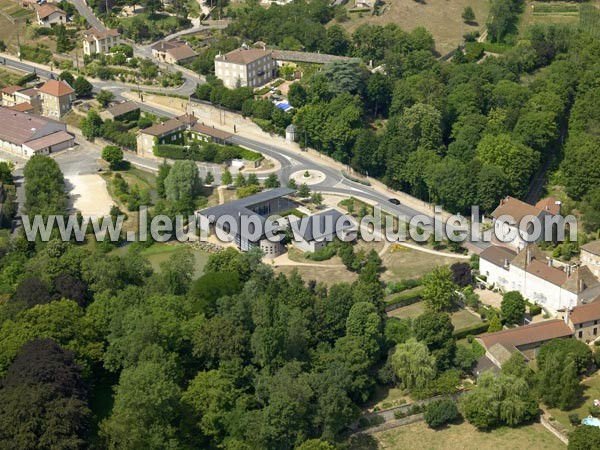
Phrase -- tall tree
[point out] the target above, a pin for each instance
(439, 290)
(413, 364)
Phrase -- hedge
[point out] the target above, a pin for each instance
(171, 151)
(405, 299)
(534, 310)
(476, 329)
(249, 155)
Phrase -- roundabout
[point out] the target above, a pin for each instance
(309, 177)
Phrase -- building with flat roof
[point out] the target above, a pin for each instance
(27, 134)
(96, 41)
(230, 218)
(321, 228)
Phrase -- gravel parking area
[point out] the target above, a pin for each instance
(88, 194)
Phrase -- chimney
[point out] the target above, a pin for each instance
(568, 315)
(549, 262)
(506, 264)
(528, 256)
(581, 285)
(559, 204)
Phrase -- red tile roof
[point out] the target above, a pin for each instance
(11, 89)
(56, 88)
(585, 313)
(22, 107)
(528, 334)
(46, 10)
(549, 204)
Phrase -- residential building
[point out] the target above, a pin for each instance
(590, 256)
(49, 15)
(173, 52)
(584, 320)
(205, 133)
(31, 96)
(95, 41)
(245, 67)
(527, 340)
(319, 229)
(56, 98)
(27, 134)
(169, 132)
(513, 221)
(232, 218)
(8, 95)
(128, 110)
(542, 280)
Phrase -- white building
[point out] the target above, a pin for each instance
(590, 256)
(95, 41)
(245, 67)
(27, 134)
(538, 278)
(49, 15)
(513, 221)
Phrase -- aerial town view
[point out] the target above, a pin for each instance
(299, 224)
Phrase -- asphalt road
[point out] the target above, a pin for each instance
(85, 11)
(290, 161)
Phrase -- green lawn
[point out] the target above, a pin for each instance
(460, 319)
(160, 252)
(590, 393)
(464, 437)
(402, 263)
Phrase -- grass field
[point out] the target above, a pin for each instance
(590, 393)
(9, 77)
(460, 319)
(405, 263)
(323, 274)
(160, 252)
(463, 437)
(441, 18)
(544, 12)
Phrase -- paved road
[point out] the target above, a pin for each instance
(290, 161)
(84, 10)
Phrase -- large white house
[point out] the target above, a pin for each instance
(540, 279)
(514, 221)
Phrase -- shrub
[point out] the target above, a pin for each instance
(594, 411)
(27, 79)
(476, 329)
(441, 412)
(574, 418)
(171, 151)
(535, 310)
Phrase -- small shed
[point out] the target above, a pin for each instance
(290, 133)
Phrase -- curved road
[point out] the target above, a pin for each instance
(290, 161)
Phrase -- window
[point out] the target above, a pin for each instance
(595, 331)
(580, 334)
(580, 325)
(595, 322)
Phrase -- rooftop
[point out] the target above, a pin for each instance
(243, 205)
(549, 204)
(51, 139)
(309, 57)
(11, 89)
(244, 55)
(528, 334)
(93, 33)
(547, 272)
(592, 247)
(27, 129)
(211, 131)
(182, 52)
(56, 88)
(515, 208)
(317, 224)
(498, 255)
(585, 313)
(46, 10)
(22, 107)
(170, 125)
(123, 108)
